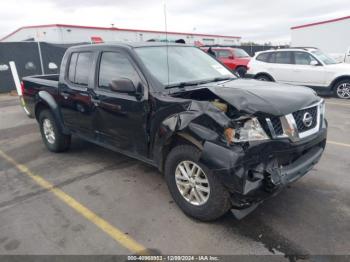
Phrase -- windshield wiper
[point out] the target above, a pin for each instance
(183, 84)
(195, 83)
(223, 78)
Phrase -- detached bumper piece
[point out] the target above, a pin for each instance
(272, 180)
(290, 173)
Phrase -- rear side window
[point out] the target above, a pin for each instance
(263, 57)
(223, 53)
(79, 68)
(114, 66)
(71, 71)
(281, 58)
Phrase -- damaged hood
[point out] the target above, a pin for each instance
(252, 96)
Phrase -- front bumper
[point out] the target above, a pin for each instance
(255, 171)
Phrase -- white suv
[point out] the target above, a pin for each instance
(302, 66)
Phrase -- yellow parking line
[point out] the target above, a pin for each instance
(338, 104)
(112, 231)
(338, 143)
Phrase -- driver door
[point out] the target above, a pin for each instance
(121, 117)
(226, 57)
(307, 70)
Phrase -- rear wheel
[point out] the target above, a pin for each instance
(52, 136)
(193, 186)
(342, 89)
(263, 78)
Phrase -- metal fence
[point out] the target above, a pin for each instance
(31, 58)
(35, 58)
(252, 49)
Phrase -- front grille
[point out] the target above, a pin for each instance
(277, 125)
(299, 116)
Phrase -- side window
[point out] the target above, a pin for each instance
(283, 58)
(303, 58)
(72, 64)
(113, 66)
(82, 69)
(272, 57)
(223, 53)
(263, 57)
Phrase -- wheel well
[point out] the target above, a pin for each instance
(337, 80)
(39, 107)
(174, 141)
(264, 74)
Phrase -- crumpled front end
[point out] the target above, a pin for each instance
(256, 170)
(253, 153)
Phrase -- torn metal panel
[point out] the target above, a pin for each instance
(253, 96)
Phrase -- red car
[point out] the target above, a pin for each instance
(234, 58)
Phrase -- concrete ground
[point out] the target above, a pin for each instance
(311, 217)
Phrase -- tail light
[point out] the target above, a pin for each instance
(22, 87)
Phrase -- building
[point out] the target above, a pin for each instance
(60, 33)
(331, 36)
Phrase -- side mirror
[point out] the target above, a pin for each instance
(231, 57)
(314, 63)
(122, 85)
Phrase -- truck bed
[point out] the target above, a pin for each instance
(44, 80)
(32, 85)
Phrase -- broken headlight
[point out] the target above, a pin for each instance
(249, 130)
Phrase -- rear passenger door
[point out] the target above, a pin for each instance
(75, 97)
(280, 66)
(307, 70)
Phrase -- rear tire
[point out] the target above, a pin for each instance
(214, 200)
(342, 89)
(52, 136)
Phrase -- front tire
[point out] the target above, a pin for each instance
(193, 186)
(263, 78)
(342, 89)
(52, 136)
(241, 71)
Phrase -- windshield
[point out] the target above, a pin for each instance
(323, 57)
(186, 64)
(240, 53)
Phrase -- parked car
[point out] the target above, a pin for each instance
(222, 142)
(302, 66)
(235, 59)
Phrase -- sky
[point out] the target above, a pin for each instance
(254, 20)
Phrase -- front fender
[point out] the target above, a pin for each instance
(196, 126)
(337, 78)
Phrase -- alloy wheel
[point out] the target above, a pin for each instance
(48, 131)
(343, 90)
(192, 183)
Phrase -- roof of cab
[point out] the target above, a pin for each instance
(128, 45)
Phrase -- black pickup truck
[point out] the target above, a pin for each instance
(222, 142)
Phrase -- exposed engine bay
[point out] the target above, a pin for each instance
(206, 95)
